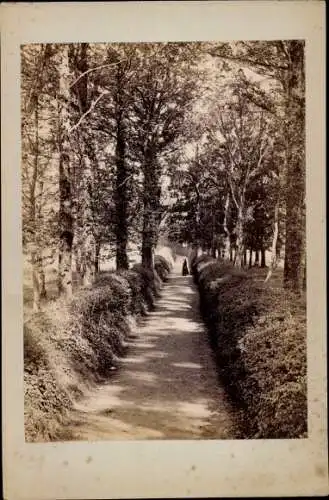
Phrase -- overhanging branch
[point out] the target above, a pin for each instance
(92, 106)
(95, 69)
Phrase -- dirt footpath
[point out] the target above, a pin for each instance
(167, 387)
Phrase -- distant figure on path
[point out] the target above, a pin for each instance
(185, 268)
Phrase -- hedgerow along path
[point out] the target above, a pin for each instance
(167, 386)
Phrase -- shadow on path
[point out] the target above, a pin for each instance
(167, 386)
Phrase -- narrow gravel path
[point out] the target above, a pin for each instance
(167, 387)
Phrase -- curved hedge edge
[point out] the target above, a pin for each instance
(162, 267)
(258, 335)
(71, 346)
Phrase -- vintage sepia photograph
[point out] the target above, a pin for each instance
(164, 240)
(163, 249)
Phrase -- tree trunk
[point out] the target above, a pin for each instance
(214, 251)
(263, 257)
(65, 264)
(147, 254)
(239, 239)
(36, 281)
(196, 240)
(293, 262)
(88, 238)
(151, 201)
(77, 259)
(193, 254)
(43, 291)
(274, 248)
(65, 187)
(148, 237)
(245, 257)
(227, 237)
(121, 200)
(38, 276)
(304, 255)
(256, 257)
(305, 278)
(88, 244)
(250, 258)
(97, 254)
(295, 168)
(89, 252)
(227, 250)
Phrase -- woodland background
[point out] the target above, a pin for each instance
(198, 145)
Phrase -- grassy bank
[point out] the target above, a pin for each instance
(258, 333)
(71, 346)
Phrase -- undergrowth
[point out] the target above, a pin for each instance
(72, 345)
(258, 334)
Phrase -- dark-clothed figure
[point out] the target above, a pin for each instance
(185, 268)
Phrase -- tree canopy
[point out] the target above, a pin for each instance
(204, 139)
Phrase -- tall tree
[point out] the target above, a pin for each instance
(242, 151)
(294, 88)
(283, 62)
(65, 177)
(161, 101)
(38, 194)
(88, 160)
(122, 102)
(119, 75)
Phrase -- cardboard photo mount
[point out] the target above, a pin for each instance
(162, 468)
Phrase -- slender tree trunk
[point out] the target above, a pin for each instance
(97, 255)
(121, 200)
(263, 257)
(65, 187)
(305, 278)
(77, 259)
(239, 239)
(148, 236)
(194, 253)
(227, 237)
(214, 251)
(231, 253)
(245, 257)
(36, 282)
(274, 249)
(43, 291)
(89, 252)
(65, 264)
(256, 257)
(38, 278)
(196, 229)
(250, 257)
(88, 238)
(147, 253)
(234, 254)
(304, 259)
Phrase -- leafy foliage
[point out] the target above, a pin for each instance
(201, 142)
(73, 344)
(258, 334)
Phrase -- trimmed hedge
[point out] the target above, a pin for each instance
(258, 334)
(162, 267)
(72, 345)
